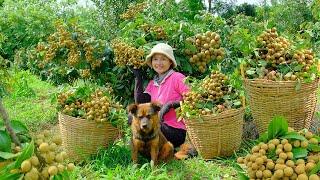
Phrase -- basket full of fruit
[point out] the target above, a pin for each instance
(89, 118)
(281, 80)
(213, 116)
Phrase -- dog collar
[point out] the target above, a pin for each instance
(146, 138)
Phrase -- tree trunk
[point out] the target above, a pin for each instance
(209, 3)
(6, 120)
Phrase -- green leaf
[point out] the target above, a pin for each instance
(241, 172)
(263, 137)
(5, 142)
(18, 127)
(6, 155)
(298, 85)
(10, 176)
(278, 127)
(299, 152)
(314, 147)
(315, 170)
(294, 135)
(25, 154)
(250, 72)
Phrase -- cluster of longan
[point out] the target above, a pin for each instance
(96, 108)
(126, 54)
(304, 58)
(157, 30)
(283, 166)
(212, 88)
(48, 159)
(78, 46)
(207, 48)
(133, 10)
(273, 48)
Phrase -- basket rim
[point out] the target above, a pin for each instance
(224, 114)
(83, 119)
(267, 81)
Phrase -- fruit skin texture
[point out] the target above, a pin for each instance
(302, 177)
(314, 177)
(26, 166)
(53, 170)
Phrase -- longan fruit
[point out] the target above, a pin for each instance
(309, 166)
(61, 167)
(302, 177)
(259, 161)
(280, 161)
(262, 151)
(271, 146)
(280, 146)
(270, 165)
(296, 143)
(300, 161)
(64, 154)
(304, 144)
(70, 166)
(278, 173)
(284, 141)
(46, 133)
(59, 158)
(53, 146)
(53, 170)
(254, 166)
(299, 169)
(278, 151)
(313, 141)
(259, 174)
(253, 158)
(276, 142)
(279, 166)
(57, 140)
(34, 160)
(267, 173)
(287, 147)
(289, 155)
(262, 167)
(25, 166)
(288, 171)
(264, 146)
(290, 129)
(283, 156)
(45, 172)
(290, 163)
(44, 147)
(255, 149)
(308, 135)
(314, 177)
(240, 160)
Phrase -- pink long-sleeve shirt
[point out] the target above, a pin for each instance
(170, 89)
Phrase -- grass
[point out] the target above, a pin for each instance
(30, 102)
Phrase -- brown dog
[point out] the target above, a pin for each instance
(147, 137)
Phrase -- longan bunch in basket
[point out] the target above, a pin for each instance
(207, 48)
(304, 58)
(273, 48)
(127, 55)
(48, 159)
(214, 85)
(133, 10)
(275, 159)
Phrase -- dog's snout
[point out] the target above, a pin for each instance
(144, 122)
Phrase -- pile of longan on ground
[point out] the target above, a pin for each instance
(275, 159)
(48, 159)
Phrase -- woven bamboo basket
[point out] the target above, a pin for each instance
(218, 135)
(81, 138)
(270, 98)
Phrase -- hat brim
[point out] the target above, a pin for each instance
(149, 57)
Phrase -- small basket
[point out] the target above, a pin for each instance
(270, 98)
(216, 135)
(81, 138)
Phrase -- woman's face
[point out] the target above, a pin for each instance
(160, 63)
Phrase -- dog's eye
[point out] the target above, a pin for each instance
(148, 116)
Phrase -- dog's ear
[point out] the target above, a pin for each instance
(156, 106)
(132, 108)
